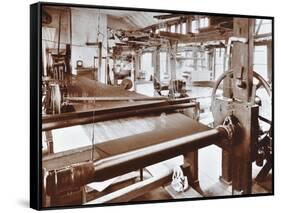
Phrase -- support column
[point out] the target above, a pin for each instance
(156, 63)
(269, 62)
(137, 64)
(188, 25)
(181, 26)
(192, 159)
(237, 166)
(133, 74)
(172, 59)
(168, 28)
(242, 59)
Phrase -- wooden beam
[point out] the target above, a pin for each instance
(188, 25)
(168, 16)
(264, 42)
(242, 59)
(181, 23)
(156, 64)
(242, 62)
(173, 63)
(138, 189)
(217, 20)
(133, 191)
(264, 35)
(137, 64)
(198, 37)
(93, 44)
(158, 25)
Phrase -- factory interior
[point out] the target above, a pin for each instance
(142, 106)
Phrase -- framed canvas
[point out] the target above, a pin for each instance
(134, 105)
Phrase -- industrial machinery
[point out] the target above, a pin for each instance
(261, 144)
(240, 129)
(67, 174)
(241, 100)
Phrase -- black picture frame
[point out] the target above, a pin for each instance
(36, 105)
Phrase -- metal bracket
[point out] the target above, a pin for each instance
(229, 127)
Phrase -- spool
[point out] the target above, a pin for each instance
(126, 84)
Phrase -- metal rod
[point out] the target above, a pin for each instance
(70, 27)
(86, 119)
(137, 106)
(67, 179)
(120, 98)
(114, 98)
(59, 34)
(121, 164)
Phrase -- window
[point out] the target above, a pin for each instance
(184, 27)
(194, 26)
(173, 29)
(146, 65)
(164, 75)
(204, 22)
(219, 62)
(260, 60)
(179, 28)
(263, 26)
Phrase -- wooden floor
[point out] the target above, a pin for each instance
(209, 173)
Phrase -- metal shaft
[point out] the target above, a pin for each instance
(79, 175)
(86, 118)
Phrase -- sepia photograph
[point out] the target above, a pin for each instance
(144, 106)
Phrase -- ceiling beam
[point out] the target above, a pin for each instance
(196, 37)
